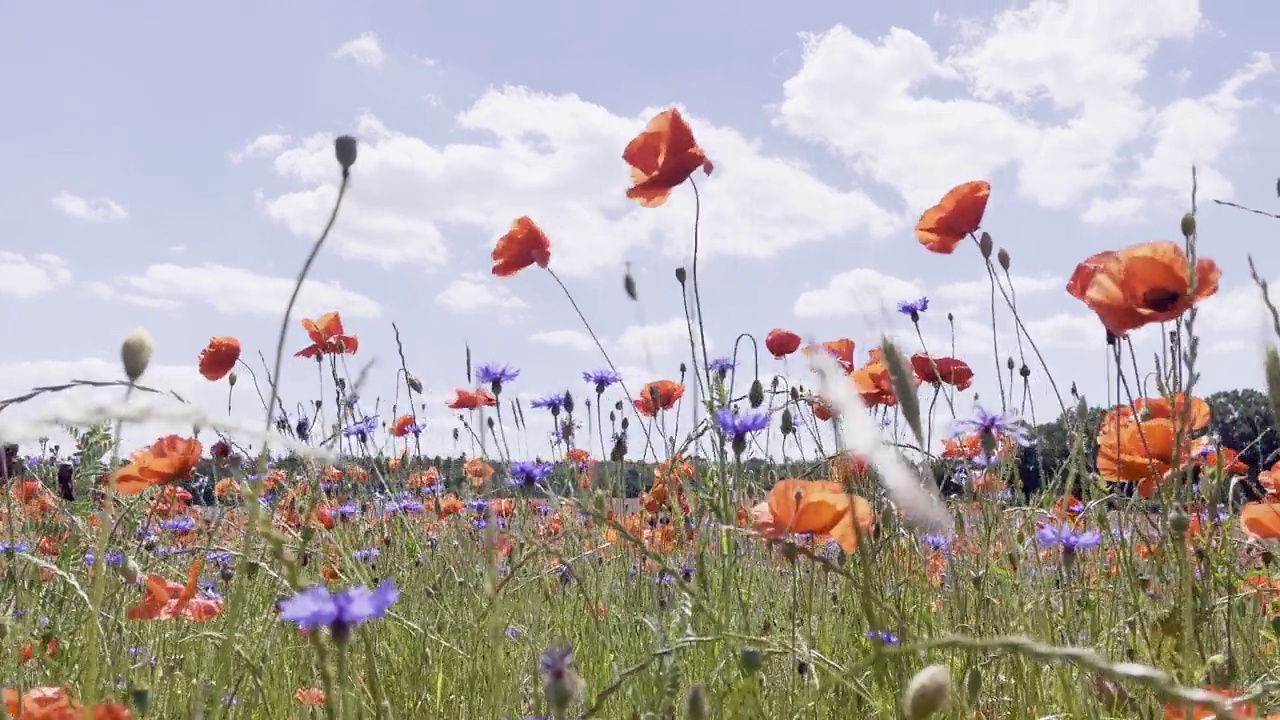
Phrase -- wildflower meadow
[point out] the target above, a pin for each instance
(901, 551)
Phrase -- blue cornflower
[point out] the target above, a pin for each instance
(529, 474)
(496, 375)
(367, 555)
(363, 429)
(14, 548)
(939, 542)
(317, 607)
(737, 427)
(303, 428)
(991, 425)
(219, 557)
(601, 379)
(554, 403)
(1069, 539)
(721, 366)
(179, 525)
(914, 308)
(886, 638)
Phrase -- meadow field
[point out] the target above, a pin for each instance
(888, 559)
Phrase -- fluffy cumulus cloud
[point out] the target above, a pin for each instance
(98, 209)
(233, 291)
(1051, 91)
(27, 277)
(479, 293)
(366, 49)
(557, 159)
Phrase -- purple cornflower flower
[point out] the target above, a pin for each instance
(601, 379)
(495, 376)
(737, 427)
(554, 403)
(341, 611)
(991, 425)
(368, 555)
(721, 366)
(14, 548)
(914, 308)
(363, 429)
(885, 638)
(529, 474)
(1069, 539)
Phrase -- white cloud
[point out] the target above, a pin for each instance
(861, 291)
(261, 146)
(104, 291)
(1110, 211)
(656, 340)
(973, 292)
(475, 292)
(234, 291)
(99, 209)
(1068, 331)
(25, 277)
(556, 159)
(1083, 61)
(364, 50)
(568, 339)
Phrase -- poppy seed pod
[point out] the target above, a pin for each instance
(681, 275)
(1188, 225)
(231, 378)
(1002, 257)
(135, 353)
(927, 692)
(985, 245)
(344, 148)
(629, 285)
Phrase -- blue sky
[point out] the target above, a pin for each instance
(169, 169)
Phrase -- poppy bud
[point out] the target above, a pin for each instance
(629, 284)
(927, 692)
(489, 421)
(973, 684)
(756, 395)
(1009, 363)
(696, 706)
(681, 275)
(1188, 225)
(951, 318)
(787, 425)
(985, 245)
(1024, 371)
(1002, 257)
(344, 148)
(135, 353)
(568, 402)
(414, 384)
(625, 424)
(455, 434)
(1179, 523)
(795, 395)
(751, 660)
(683, 369)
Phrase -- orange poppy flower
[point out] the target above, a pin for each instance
(1136, 451)
(873, 381)
(37, 702)
(404, 425)
(959, 213)
(169, 459)
(1174, 711)
(1192, 414)
(942, 370)
(819, 507)
(309, 696)
(781, 343)
(327, 337)
(1142, 284)
(478, 471)
(662, 157)
(656, 396)
(841, 350)
(164, 600)
(219, 357)
(1261, 520)
(466, 400)
(524, 244)
(1270, 480)
(821, 409)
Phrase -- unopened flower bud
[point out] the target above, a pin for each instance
(756, 395)
(1002, 257)
(231, 378)
(696, 707)
(788, 424)
(1179, 522)
(681, 275)
(927, 692)
(629, 284)
(344, 148)
(751, 660)
(985, 245)
(135, 353)
(568, 402)
(1188, 225)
